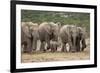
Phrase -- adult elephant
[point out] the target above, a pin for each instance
(47, 31)
(73, 36)
(26, 37)
(29, 36)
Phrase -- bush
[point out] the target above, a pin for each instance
(78, 19)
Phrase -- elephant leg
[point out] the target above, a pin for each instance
(42, 46)
(48, 45)
(53, 48)
(64, 47)
(34, 45)
(29, 45)
(24, 46)
(78, 45)
(71, 49)
(83, 44)
(70, 46)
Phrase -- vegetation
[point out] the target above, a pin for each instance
(79, 19)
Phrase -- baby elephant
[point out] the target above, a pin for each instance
(53, 45)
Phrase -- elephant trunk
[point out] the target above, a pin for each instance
(74, 44)
(34, 45)
(83, 44)
(35, 37)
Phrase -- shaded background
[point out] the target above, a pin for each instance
(75, 18)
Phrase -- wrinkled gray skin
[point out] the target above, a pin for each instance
(53, 45)
(29, 36)
(47, 31)
(82, 36)
(35, 35)
(26, 37)
(73, 36)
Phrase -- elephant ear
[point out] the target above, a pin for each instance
(69, 33)
(82, 32)
(26, 30)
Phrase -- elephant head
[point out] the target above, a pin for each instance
(54, 29)
(74, 38)
(77, 36)
(25, 28)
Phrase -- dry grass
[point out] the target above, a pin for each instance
(57, 56)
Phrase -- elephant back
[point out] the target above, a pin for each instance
(44, 27)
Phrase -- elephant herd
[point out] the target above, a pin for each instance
(52, 36)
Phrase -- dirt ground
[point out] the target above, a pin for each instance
(56, 56)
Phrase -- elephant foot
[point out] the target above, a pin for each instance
(73, 51)
(62, 50)
(24, 51)
(52, 50)
(33, 50)
(48, 48)
(83, 48)
(78, 51)
(66, 51)
(43, 50)
(27, 52)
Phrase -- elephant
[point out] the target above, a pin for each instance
(29, 36)
(26, 37)
(35, 35)
(47, 31)
(73, 36)
(82, 36)
(53, 46)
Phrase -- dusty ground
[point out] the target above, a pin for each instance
(56, 56)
